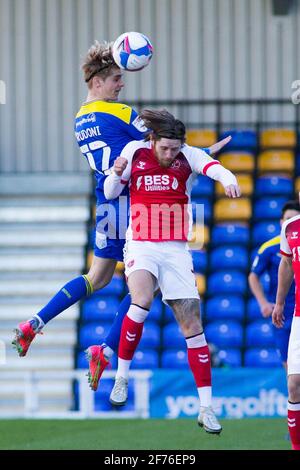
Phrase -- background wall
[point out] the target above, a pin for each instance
(212, 49)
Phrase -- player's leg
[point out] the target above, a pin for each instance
(294, 384)
(178, 287)
(141, 285)
(99, 275)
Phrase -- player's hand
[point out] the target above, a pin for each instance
(277, 316)
(267, 309)
(233, 190)
(215, 148)
(120, 165)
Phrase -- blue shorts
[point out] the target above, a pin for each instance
(282, 335)
(111, 226)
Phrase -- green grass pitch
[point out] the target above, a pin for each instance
(151, 434)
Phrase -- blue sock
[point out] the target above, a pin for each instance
(67, 296)
(113, 337)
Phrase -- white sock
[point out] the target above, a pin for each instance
(205, 396)
(123, 368)
(107, 351)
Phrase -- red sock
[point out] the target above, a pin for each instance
(294, 425)
(199, 361)
(131, 333)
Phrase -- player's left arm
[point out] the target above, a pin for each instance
(120, 172)
(215, 148)
(202, 163)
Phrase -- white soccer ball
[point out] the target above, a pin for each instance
(132, 51)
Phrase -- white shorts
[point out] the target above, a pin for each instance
(169, 262)
(293, 360)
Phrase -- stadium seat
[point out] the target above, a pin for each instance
(276, 160)
(238, 161)
(263, 231)
(120, 267)
(93, 333)
(173, 337)
(268, 207)
(156, 310)
(199, 237)
(232, 209)
(145, 359)
(245, 182)
(266, 357)
(253, 310)
(230, 357)
(224, 334)
(171, 359)
(282, 138)
(297, 169)
(199, 261)
(227, 282)
(225, 307)
(99, 308)
(115, 287)
(151, 336)
(273, 184)
(230, 233)
(202, 186)
(201, 283)
(297, 183)
(169, 315)
(201, 137)
(241, 139)
(260, 334)
(228, 257)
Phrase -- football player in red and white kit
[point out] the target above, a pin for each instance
(289, 269)
(160, 172)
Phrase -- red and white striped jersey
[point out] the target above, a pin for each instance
(290, 246)
(160, 197)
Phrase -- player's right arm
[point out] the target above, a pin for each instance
(259, 266)
(285, 277)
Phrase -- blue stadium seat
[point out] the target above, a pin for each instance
(93, 333)
(225, 307)
(171, 359)
(151, 336)
(230, 233)
(230, 357)
(173, 337)
(297, 167)
(260, 334)
(268, 207)
(156, 310)
(262, 358)
(227, 282)
(115, 287)
(228, 257)
(199, 260)
(202, 186)
(224, 334)
(263, 231)
(169, 315)
(99, 308)
(273, 184)
(207, 204)
(253, 310)
(145, 360)
(241, 139)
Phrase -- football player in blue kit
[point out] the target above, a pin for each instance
(267, 260)
(102, 128)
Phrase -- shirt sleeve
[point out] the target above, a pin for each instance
(261, 262)
(136, 127)
(201, 163)
(284, 246)
(114, 184)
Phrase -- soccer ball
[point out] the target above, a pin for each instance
(132, 51)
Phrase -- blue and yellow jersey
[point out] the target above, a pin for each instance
(267, 260)
(102, 129)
